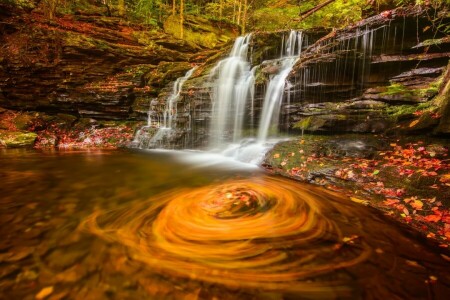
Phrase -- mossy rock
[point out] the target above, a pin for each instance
(17, 139)
(166, 72)
(24, 121)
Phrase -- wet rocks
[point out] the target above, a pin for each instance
(408, 179)
(382, 68)
(17, 139)
(86, 65)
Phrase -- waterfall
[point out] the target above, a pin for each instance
(234, 89)
(142, 139)
(274, 95)
(234, 82)
(233, 98)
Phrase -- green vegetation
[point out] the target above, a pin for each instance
(246, 14)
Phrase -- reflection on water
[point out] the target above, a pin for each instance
(124, 225)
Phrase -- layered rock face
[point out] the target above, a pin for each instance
(371, 77)
(87, 65)
(385, 74)
(93, 68)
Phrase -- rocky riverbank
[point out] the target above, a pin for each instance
(407, 179)
(69, 77)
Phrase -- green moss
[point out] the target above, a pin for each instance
(84, 41)
(396, 111)
(396, 88)
(145, 38)
(21, 3)
(23, 121)
(16, 139)
(260, 77)
(425, 93)
(303, 123)
(432, 42)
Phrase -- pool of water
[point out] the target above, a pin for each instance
(188, 225)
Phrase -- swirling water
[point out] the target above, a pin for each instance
(173, 225)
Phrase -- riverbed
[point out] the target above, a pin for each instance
(124, 224)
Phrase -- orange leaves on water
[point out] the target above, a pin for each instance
(350, 239)
(44, 293)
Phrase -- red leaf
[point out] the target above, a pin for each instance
(390, 202)
(446, 219)
(432, 218)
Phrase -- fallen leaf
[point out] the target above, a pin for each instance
(447, 258)
(445, 178)
(360, 201)
(44, 292)
(413, 263)
(391, 202)
(276, 155)
(413, 123)
(417, 204)
(431, 235)
(432, 218)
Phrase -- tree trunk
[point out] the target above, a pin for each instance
(239, 12)
(234, 11)
(50, 8)
(244, 17)
(181, 18)
(174, 7)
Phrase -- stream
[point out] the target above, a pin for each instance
(128, 224)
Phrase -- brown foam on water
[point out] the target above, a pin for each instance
(266, 233)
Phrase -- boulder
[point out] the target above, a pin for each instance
(17, 139)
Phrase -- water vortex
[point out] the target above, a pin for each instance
(267, 233)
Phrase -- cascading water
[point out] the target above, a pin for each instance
(141, 139)
(171, 109)
(234, 82)
(274, 95)
(233, 98)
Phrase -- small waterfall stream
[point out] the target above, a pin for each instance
(274, 95)
(142, 139)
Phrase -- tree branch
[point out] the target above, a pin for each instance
(304, 15)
